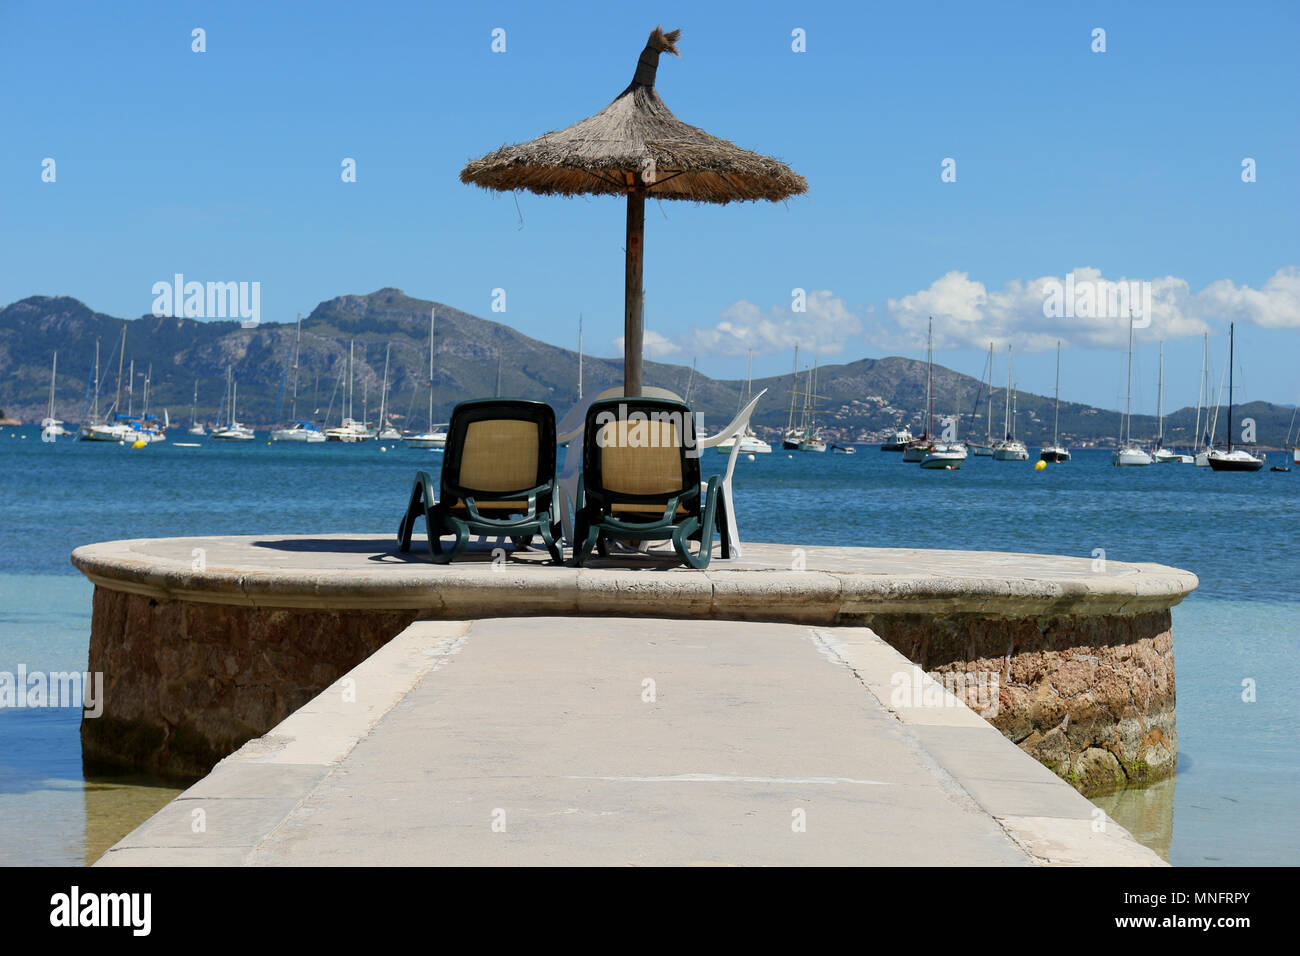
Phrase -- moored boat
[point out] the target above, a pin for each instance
(1056, 452)
(1233, 459)
(897, 441)
(1129, 454)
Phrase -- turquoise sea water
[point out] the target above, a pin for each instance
(1232, 802)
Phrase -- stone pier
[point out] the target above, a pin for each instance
(206, 643)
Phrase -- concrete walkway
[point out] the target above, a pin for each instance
(616, 741)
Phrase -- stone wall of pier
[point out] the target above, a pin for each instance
(1091, 697)
(187, 683)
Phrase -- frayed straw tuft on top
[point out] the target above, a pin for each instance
(637, 143)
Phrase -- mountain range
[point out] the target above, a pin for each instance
(856, 401)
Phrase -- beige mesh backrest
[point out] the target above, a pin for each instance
(500, 454)
(640, 457)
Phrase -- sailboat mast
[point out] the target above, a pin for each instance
(929, 381)
(383, 394)
(1056, 415)
(794, 390)
(1200, 390)
(121, 353)
(54, 368)
(1006, 415)
(1160, 400)
(1232, 344)
(988, 412)
(194, 406)
(130, 388)
(95, 414)
(1128, 385)
(432, 318)
(351, 376)
(293, 398)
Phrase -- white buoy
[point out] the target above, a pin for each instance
(750, 457)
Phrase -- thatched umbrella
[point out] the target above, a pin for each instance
(636, 147)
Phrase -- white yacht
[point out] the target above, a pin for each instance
(51, 427)
(1010, 448)
(1129, 453)
(946, 456)
(196, 428)
(1161, 455)
(350, 430)
(233, 430)
(750, 444)
(814, 443)
(436, 435)
(299, 431)
(435, 438)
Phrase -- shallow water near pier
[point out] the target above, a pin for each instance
(1231, 803)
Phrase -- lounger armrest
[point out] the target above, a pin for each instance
(430, 493)
(737, 426)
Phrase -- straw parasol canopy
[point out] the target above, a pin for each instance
(636, 147)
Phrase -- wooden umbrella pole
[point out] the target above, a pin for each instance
(632, 291)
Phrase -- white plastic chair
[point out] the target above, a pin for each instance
(570, 430)
(739, 425)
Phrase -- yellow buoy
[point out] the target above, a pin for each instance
(139, 443)
(1039, 466)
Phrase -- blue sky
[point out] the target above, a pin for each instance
(225, 165)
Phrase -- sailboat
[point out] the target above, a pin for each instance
(195, 427)
(120, 429)
(298, 429)
(51, 427)
(349, 429)
(812, 436)
(1203, 444)
(386, 430)
(1055, 452)
(436, 436)
(1237, 459)
(1293, 444)
(946, 456)
(791, 437)
(750, 444)
(1010, 448)
(233, 430)
(1129, 453)
(985, 449)
(1160, 454)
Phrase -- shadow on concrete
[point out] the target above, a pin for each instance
(385, 549)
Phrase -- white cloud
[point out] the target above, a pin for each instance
(826, 327)
(1275, 306)
(967, 314)
(653, 344)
